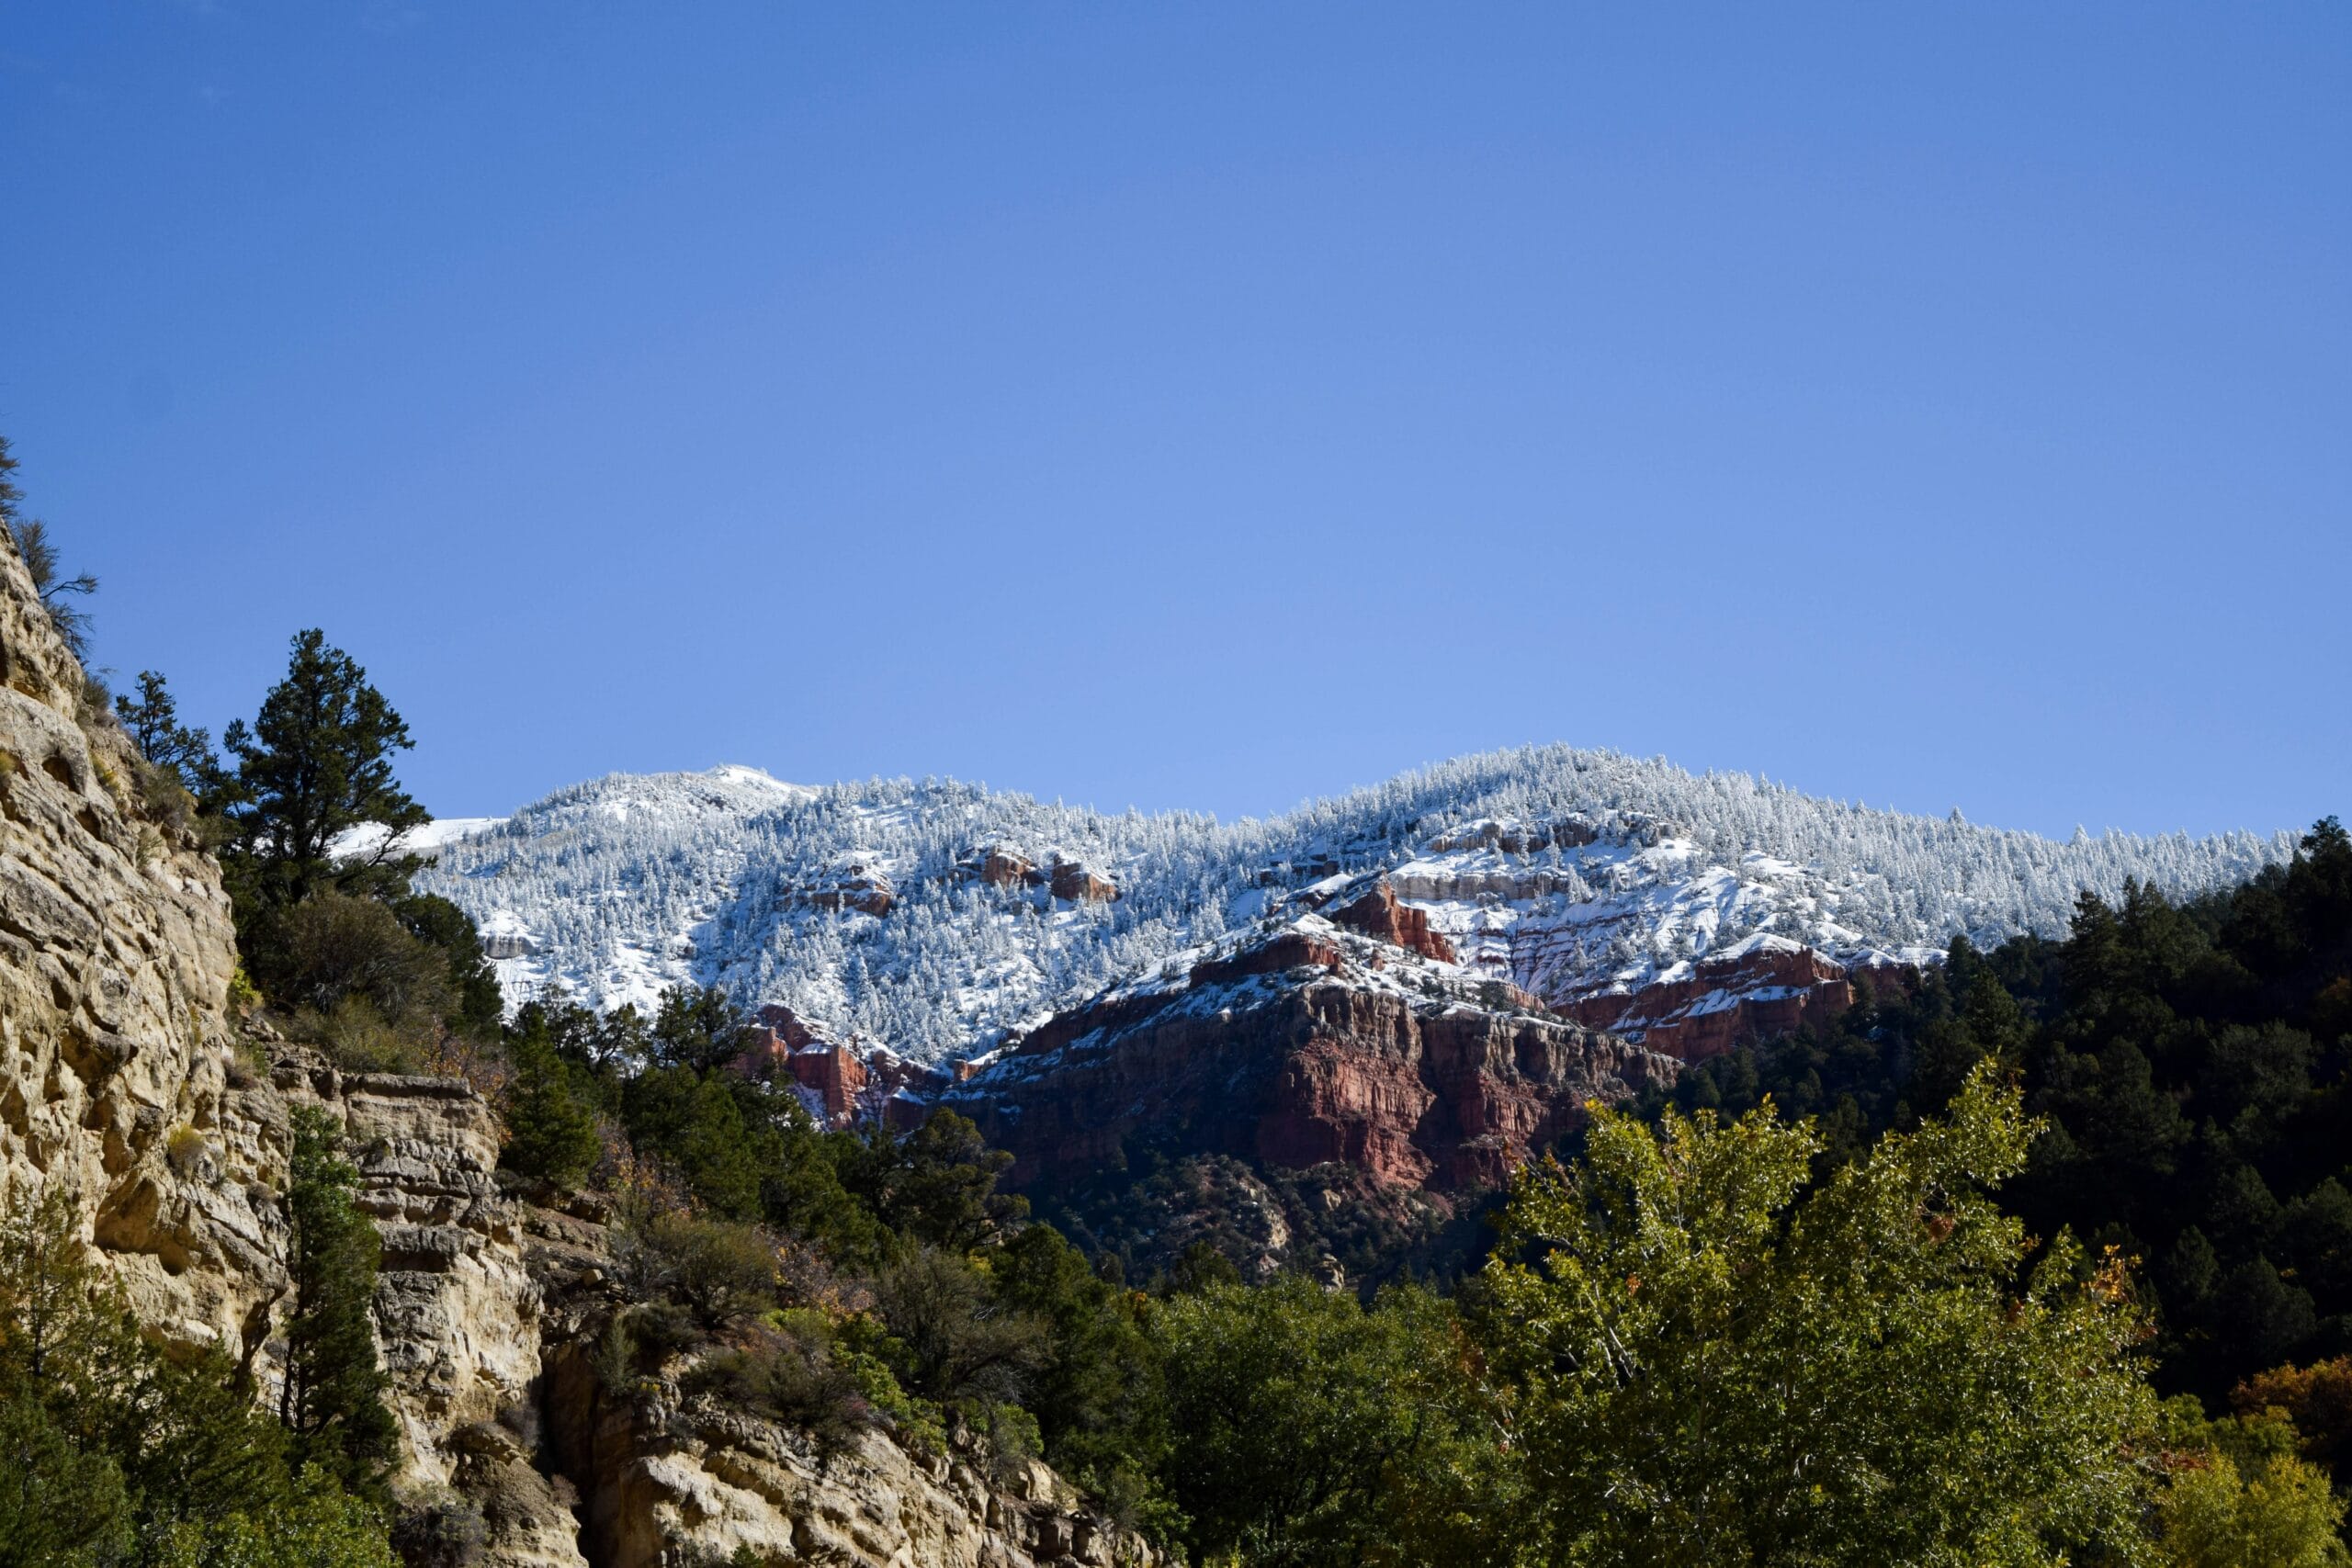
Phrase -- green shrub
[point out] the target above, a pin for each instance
(719, 1270)
(918, 1423)
(243, 995)
(332, 946)
(790, 1375)
(320, 1527)
(953, 1342)
(2280, 1514)
(357, 1039)
(185, 1148)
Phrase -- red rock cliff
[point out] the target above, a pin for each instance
(1775, 988)
(1379, 916)
(1294, 1052)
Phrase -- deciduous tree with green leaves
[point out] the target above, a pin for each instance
(1310, 1431)
(1717, 1360)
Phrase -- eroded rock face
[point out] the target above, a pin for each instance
(671, 1478)
(116, 950)
(1306, 1046)
(853, 882)
(1001, 866)
(1770, 988)
(1379, 916)
(457, 1311)
(1077, 884)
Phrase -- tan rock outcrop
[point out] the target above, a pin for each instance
(116, 1058)
(671, 1479)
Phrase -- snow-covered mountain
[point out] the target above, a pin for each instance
(937, 917)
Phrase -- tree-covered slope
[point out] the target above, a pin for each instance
(2191, 1059)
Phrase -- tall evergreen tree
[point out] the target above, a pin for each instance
(550, 1112)
(333, 1398)
(315, 763)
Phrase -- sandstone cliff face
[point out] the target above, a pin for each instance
(1379, 916)
(1765, 987)
(1309, 1046)
(1078, 884)
(671, 1479)
(115, 958)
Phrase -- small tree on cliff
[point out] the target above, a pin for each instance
(31, 538)
(551, 1109)
(333, 1399)
(152, 720)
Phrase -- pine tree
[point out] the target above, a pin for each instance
(333, 1397)
(550, 1121)
(153, 718)
(107, 1447)
(314, 764)
(11, 498)
(31, 538)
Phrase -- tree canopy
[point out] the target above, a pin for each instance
(1721, 1362)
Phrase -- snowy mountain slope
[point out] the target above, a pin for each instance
(925, 916)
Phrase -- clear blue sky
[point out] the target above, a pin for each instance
(1214, 405)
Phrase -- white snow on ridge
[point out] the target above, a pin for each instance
(363, 840)
(1566, 870)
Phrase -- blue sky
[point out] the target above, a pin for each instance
(1216, 405)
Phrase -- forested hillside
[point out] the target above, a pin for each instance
(2191, 1059)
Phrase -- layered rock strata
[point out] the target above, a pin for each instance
(1308, 1045)
(1763, 987)
(118, 1077)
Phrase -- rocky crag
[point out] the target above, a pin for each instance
(125, 1079)
(1319, 1043)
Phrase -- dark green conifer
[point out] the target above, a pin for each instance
(152, 719)
(550, 1116)
(315, 763)
(333, 1398)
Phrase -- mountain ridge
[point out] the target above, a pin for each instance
(940, 918)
